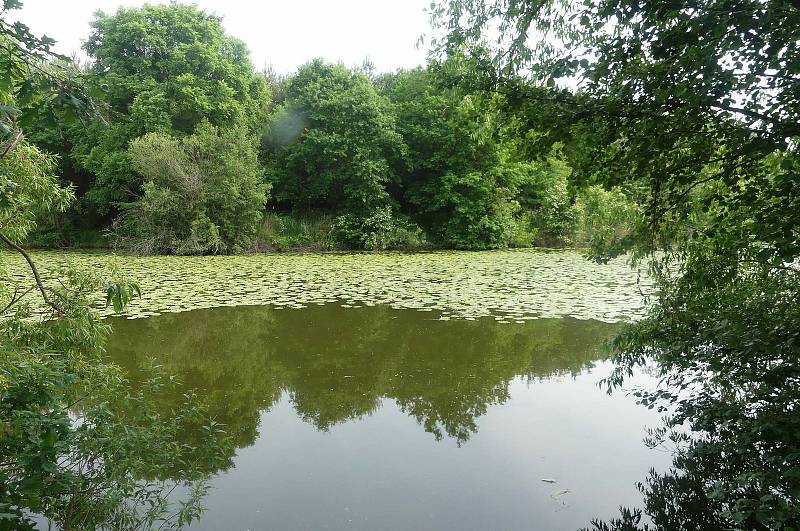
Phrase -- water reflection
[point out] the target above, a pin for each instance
(337, 364)
(378, 418)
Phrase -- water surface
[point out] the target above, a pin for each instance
(384, 418)
(430, 391)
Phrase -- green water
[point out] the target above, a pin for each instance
(337, 365)
(396, 391)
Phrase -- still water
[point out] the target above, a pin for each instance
(376, 417)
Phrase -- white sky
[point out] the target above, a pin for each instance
(284, 33)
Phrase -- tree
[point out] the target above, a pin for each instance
(658, 101)
(82, 474)
(461, 179)
(695, 105)
(442, 182)
(26, 184)
(334, 143)
(165, 69)
(204, 193)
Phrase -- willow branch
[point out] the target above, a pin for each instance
(35, 272)
(12, 143)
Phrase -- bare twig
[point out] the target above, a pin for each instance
(15, 298)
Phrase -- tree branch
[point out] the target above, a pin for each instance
(35, 272)
(12, 143)
(15, 298)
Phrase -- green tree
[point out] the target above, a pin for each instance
(460, 179)
(547, 215)
(475, 210)
(605, 217)
(91, 473)
(165, 69)
(333, 145)
(442, 175)
(204, 193)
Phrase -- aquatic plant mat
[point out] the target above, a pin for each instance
(511, 286)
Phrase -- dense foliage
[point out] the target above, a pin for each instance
(65, 452)
(444, 176)
(333, 142)
(461, 179)
(692, 108)
(679, 145)
(409, 159)
(201, 194)
(162, 69)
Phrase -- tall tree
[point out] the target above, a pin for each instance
(446, 182)
(166, 69)
(667, 91)
(334, 142)
(461, 178)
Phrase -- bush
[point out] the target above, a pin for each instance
(545, 198)
(78, 447)
(547, 215)
(28, 189)
(475, 210)
(380, 231)
(202, 194)
(603, 216)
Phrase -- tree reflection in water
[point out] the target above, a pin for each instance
(338, 364)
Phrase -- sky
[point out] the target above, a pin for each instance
(281, 33)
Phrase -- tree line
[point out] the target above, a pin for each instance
(194, 151)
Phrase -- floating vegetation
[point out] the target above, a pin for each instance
(511, 286)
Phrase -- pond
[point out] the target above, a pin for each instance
(436, 391)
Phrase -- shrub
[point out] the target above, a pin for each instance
(475, 210)
(545, 199)
(202, 194)
(307, 231)
(381, 230)
(163, 69)
(547, 215)
(28, 189)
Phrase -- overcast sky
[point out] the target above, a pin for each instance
(284, 33)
